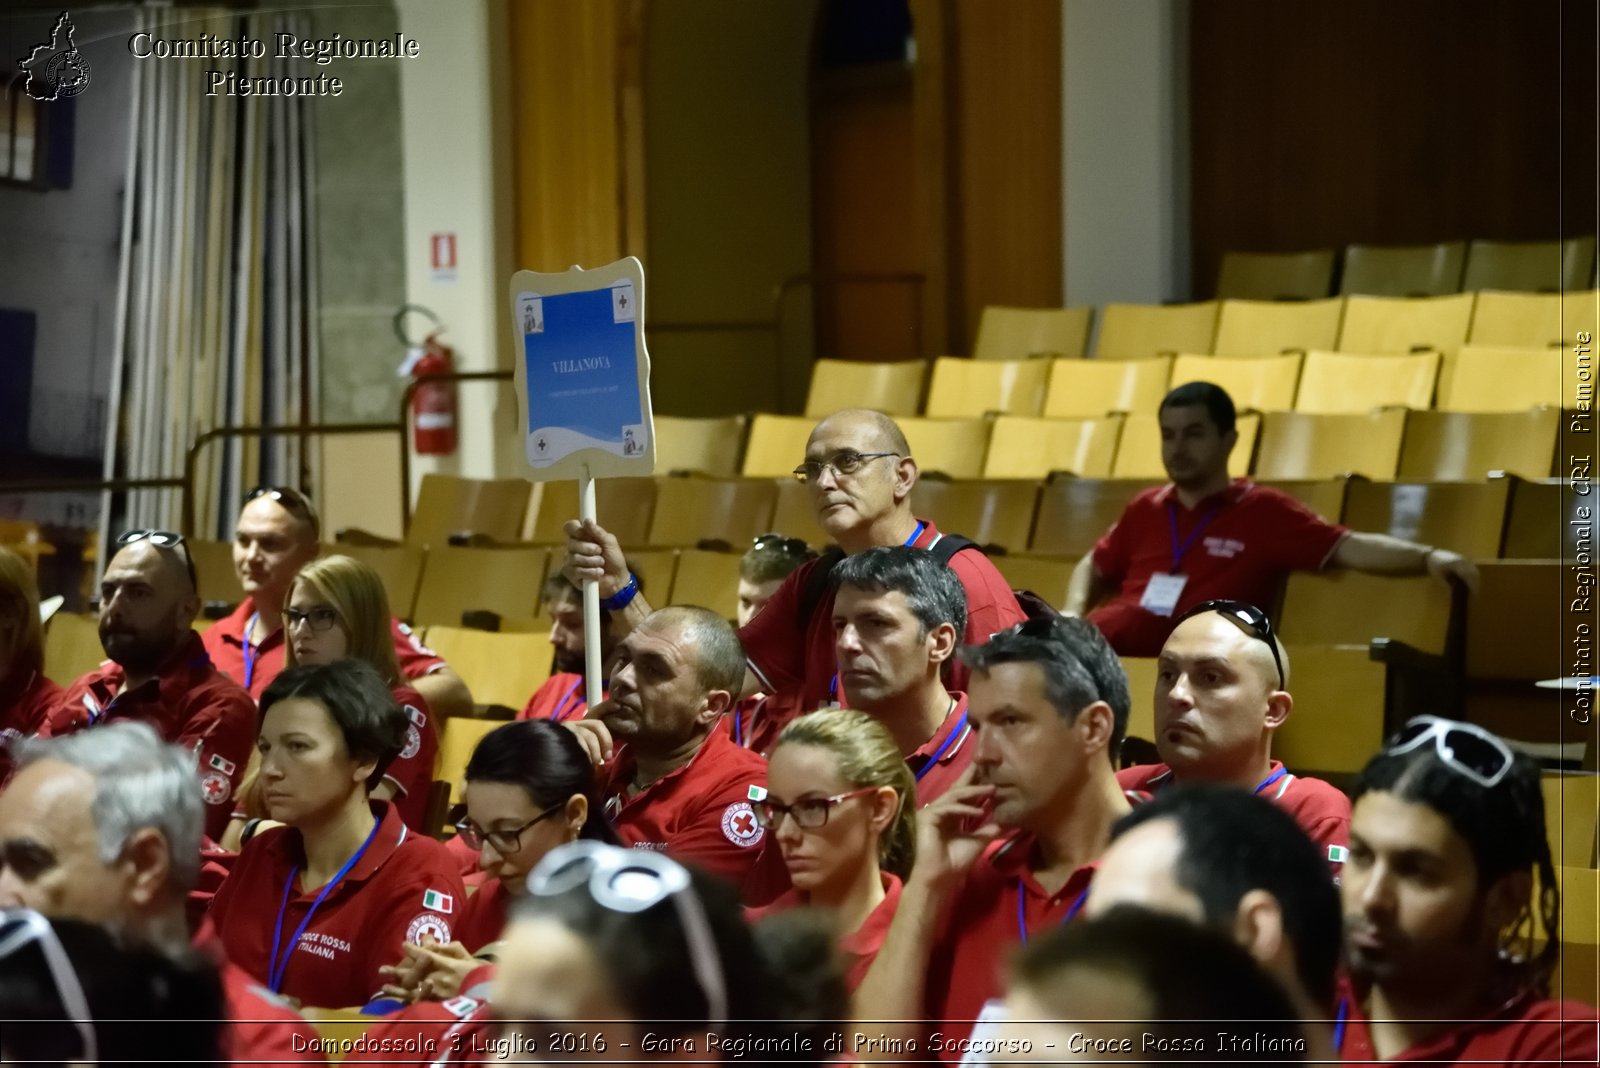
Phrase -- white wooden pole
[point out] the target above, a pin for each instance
(591, 598)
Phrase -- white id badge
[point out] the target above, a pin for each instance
(985, 1031)
(1162, 592)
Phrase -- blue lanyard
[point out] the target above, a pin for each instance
(1338, 1025)
(1022, 919)
(250, 650)
(275, 967)
(1270, 779)
(1179, 550)
(950, 740)
(562, 704)
(915, 534)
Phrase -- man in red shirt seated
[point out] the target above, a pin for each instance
(1010, 850)
(278, 533)
(859, 471)
(1217, 856)
(158, 671)
(674, 781)
(1204, 536)
(758, 719)
(898, 614)
(1447, 838)
(105, 826)
(1222, 691)
(563, 695)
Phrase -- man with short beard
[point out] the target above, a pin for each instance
(564, 695)
(158, 671)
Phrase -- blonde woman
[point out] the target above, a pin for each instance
(841, 808)
(337, 608)
(25, 694)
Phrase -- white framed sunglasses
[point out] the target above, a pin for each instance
(23, 927)
(1465, 748)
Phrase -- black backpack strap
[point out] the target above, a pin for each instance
(817, 584)
(950, 544)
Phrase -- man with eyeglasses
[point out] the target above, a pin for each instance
(1222, 692)
(105, 827)
(1011, 849)
(277, 534)
(158, 671)
(673, 780)
(1205, 535)
(859, 470)
(1448, 884)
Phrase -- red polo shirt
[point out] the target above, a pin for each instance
(561, 697)
(859, 948)
(789, 654)
(1238, 544)
(483, 918)
(1321, 809)
(412, 771)
(262, 1028)
(225, 642)
(982, 926)
(189, 703)
(756, 722)
(701, 813)
(23, 711)
(943, 758)
(404, 888)
(1527, 1032)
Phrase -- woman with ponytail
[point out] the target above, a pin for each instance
(841, 807)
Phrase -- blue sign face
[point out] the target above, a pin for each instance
(582, 372)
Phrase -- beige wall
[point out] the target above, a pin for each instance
(727, 166)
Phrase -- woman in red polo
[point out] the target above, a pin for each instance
(529, 788)
(841, 807)
(316, 908)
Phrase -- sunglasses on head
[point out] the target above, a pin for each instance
(165, 539)
(786, 545)
(1465, 748)
(293, 501)
(1252, 620)
(633, 880)
(23, 927)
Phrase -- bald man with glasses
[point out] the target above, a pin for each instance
(1222, 692)
(859, 471)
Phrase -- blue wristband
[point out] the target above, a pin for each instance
(623, 597)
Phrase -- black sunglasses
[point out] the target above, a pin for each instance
(165, 539)
(788, 546)
(1252, 619)
(294, 502)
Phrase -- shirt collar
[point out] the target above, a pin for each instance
(237, 630)
(952, 721)
(289, 851)
(1233, 494)
(624, 765)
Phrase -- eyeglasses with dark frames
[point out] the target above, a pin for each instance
(1465, 748)
(808, 813)
(1248, 617)
(505, 842)
(165, 539)
(843, 462)
(319, 619)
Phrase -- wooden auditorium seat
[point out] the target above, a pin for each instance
(1277, 276)
(701, 446)
(1139, 331)
(1518, 320)
(793, 515)
(777, 445)
(400, 567)
(1402, 271)
(1075, 512)
(1264, 383)
(1022, 333)
(456, 579)
(1464, 517)
(1491, 379)
(1571, 805)
(889, 386)
(1139, 448)
(1084, 389)
(1297, 445)
(446, 505)
(1047, 576)
(1022, 447)
(1333, 383)
(963, 388)
(624, 507)
(460, 737)
(1463, 446)
(71, 647)
(1405, 324)
(689, 511)
(1530, 266)
(708, 579)
(500, 668)
(991, 513)
(214, 571)
(1544, 521)
(953, 447)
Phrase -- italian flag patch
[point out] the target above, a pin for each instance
(432, 899)
(1337, 854)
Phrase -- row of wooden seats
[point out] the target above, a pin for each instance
(1410, 270)
(1244, 327)
(1470, 379)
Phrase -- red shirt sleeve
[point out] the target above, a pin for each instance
(220, 726)
(412, 771)
(1112, 552)
(263, 1030)
(775, 641)
(991, 606)
(399, 916)
(1301, 540)
(416, 659)
(703, 841)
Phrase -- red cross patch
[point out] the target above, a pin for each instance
(739, 824)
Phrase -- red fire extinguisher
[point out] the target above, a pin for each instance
(433, 404)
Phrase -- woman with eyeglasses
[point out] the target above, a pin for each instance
(841, 806)
(337, 607)
(316, 908)
(529, 788)
(26, 696)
